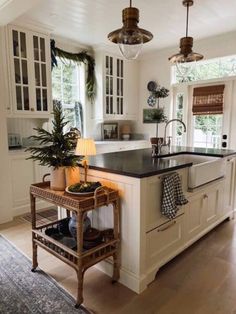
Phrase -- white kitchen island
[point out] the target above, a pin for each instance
(149, 240)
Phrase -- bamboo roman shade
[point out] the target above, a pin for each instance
(208, 100)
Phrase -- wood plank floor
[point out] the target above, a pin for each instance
(201, 280)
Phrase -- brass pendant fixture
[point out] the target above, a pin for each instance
(130, 37)
(186, 53)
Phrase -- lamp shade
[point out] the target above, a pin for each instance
(85, 147)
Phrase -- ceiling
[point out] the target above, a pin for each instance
(89, 21)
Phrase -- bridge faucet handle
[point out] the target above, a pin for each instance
(169, 140)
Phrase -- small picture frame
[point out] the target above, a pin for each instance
(110, 131)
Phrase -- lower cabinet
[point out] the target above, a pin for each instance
(23, 173)
(163, 241)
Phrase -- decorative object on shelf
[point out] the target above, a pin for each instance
(81, 57)
(54, 149)
(82, 189)
(85, 147)
(152, 86)
(73, 225)
(110, 131)
(151, 101)
(186, 43)
(130, 37)
(125, 132)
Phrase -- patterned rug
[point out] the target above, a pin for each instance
(22, 291)
(42, 216)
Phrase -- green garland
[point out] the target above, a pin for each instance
(81, 57)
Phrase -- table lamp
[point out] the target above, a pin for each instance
(85, 147)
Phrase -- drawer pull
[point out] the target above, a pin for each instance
(167, 227)
(205, 196)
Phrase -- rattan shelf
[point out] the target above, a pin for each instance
(80, 259)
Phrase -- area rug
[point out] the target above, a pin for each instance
(22, 291)
(42, 216)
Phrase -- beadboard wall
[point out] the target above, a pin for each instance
(24, 126)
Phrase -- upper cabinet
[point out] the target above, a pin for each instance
(30, 73)
(115, 99)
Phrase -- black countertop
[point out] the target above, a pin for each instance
(139, 163)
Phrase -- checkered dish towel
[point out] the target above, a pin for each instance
(172, 195)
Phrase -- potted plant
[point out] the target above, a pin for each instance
(55, 149)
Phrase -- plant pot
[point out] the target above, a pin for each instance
(72, 175)
(58, 179)
(156, 140)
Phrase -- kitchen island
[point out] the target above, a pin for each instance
(148, 239)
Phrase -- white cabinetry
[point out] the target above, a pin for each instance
(30, 73)
(229, 186)
(116, 88)
(23, 174)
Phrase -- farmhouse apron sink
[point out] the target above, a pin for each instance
(204, 169)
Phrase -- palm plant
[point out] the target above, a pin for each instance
(56, 148)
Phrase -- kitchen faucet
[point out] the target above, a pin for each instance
(165, 143)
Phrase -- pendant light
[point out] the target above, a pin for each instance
(130, 37)
(186, 44)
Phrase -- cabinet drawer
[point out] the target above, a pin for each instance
(163, 241)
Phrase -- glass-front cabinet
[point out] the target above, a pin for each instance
(114, 86)
(29, 60)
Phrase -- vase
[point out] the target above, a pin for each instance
(58, 179)
(73, 225)
(72, 175)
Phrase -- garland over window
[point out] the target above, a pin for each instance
(77, 57)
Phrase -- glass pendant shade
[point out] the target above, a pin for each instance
(130, 43)
(186, 53)
(130, 37)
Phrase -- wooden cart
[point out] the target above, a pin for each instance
(80, 259)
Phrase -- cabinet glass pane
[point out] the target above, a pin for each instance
(118, 67)
(38, 99)
(107, 85)
(43, 71)
(118, 87)
(23, 45)
(15, 43)
(111, 86)
(111, 105)
(122, 68)
(37, 74)
(118, 105)
(18, 98)
(36, 48)
(42, 49)
(24, 71)
(121, 88)
(107, 65)
(45, 100)
(26, 98)
(111, 66)
(17, 71)
(121, 106)
(107, 105)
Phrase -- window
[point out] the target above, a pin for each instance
(179, 115)
(207, 130)
(204, 70)
(66, 89)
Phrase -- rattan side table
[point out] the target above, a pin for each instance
(80, 259)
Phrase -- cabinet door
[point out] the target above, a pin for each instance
(214, 197)
(40, 68)
(20, 77)
(229, 186)
(114, 87)
(164, 241)
(195, 210)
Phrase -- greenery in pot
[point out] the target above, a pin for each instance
(56, 148)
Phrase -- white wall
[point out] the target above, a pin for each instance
(155, 66)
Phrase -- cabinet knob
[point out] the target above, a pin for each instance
(31, 109)
(205, 196)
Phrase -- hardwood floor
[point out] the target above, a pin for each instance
(201, 280)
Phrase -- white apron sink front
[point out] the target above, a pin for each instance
(204, 169)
